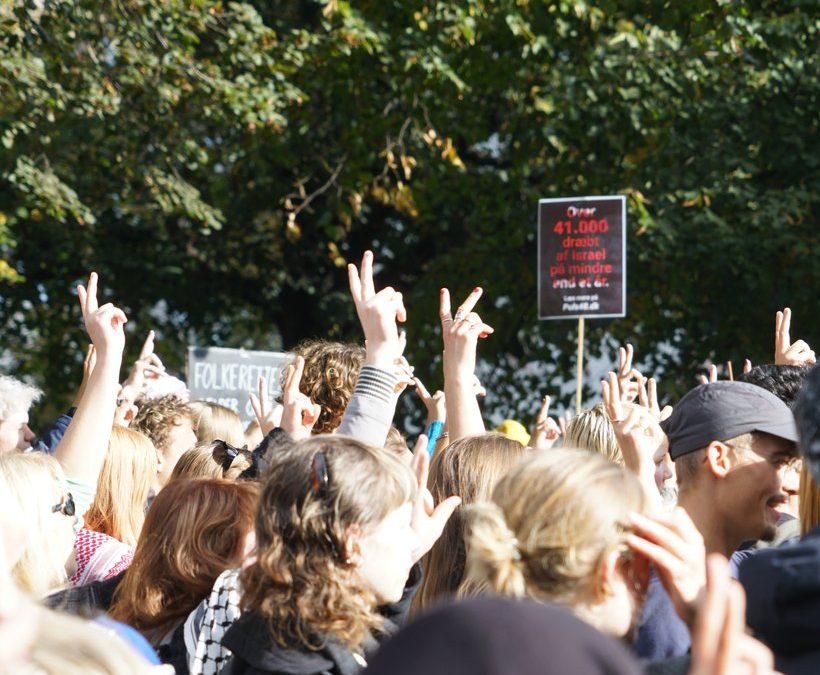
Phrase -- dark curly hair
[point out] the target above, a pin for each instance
(331, 371)
(300, 581)
(157, 416)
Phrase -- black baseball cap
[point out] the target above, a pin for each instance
(722, 410)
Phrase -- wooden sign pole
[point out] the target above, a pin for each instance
(580, 376)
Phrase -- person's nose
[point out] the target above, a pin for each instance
(28, 434)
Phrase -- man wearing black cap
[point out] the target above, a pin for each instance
(731, 443)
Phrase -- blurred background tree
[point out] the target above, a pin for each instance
(219, 163)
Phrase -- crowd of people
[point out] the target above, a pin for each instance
(144, 532)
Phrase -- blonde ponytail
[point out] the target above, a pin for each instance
(493, 556)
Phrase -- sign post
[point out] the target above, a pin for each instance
(227, 376)
(582, 263)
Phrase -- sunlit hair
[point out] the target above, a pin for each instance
(194, 531)
(300, 582)
(213, 422)
(591, 430)
(157, 416)
(329, 377)
(550, 526)
(30, 484)
(396, 442)
(253, 434)
(68, 645)
(809, 493)
(16, 396)
(469, 468)
(130, 466)
(208, 460)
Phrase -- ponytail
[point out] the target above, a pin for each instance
(493, 555)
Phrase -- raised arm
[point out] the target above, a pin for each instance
(460, 334)
(82, 449)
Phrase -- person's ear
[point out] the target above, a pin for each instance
(609, 573)
(352, 546)
(718, 459)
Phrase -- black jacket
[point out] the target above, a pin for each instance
(255, 652)
(782, 587)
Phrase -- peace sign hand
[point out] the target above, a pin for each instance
(786, 353)
(104, 324)
(460, 334)
(299, 413)
(545, 431)
(378, 314)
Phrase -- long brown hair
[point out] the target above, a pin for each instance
(130, 466)
(300, 581)
(469, 468)
(195, 530)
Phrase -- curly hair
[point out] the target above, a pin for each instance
(194, 531)
(301, 582)
(331, 371)
(156, 417)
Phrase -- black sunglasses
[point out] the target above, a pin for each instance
(67, 506)
(231, 452)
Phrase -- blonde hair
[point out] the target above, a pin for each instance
(71, 646)
(469, 468)
(591, 430)
(34, 482)
(16, 396)
(207, 460)
(809, 493)
(551, 524)
(130, 466)
(216, 422)
(300, 582)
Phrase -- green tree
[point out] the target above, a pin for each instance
(220, 162)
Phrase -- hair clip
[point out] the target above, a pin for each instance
(319, 476)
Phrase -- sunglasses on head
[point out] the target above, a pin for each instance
(67, 506)
(230, 453)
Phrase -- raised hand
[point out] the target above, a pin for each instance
(639, 436)
(628, 377)
(787, 353)
(460, 334)
(675, 546)
(712, 375)
(545, 431)
(428, 520)
(720, 644)
(299, 413)
(268, 415)
(378, 314)
(104, 324)
(747, 366)
(436, 405)
(648, 398)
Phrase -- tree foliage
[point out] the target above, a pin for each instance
(219, 162)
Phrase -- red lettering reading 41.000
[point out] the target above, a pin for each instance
(563, 227)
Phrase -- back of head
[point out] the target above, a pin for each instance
(213, 459)
(551, 523)
(30, 484)
(591, 430)
(16, 396)
(469, 468)
(782, 381)
(301, 581)
(216, 422)
(329, 377)
(194, 531)
(807, 417)
(497, 636)
(156, 417)
(130, 466)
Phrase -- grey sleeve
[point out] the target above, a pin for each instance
(369, 413)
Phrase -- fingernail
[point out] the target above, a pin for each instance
(476, 289)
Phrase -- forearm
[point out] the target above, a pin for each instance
(371, 408)
(463, 413)
(82, 450)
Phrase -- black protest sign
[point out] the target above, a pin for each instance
(582, 257)
(226, 376)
